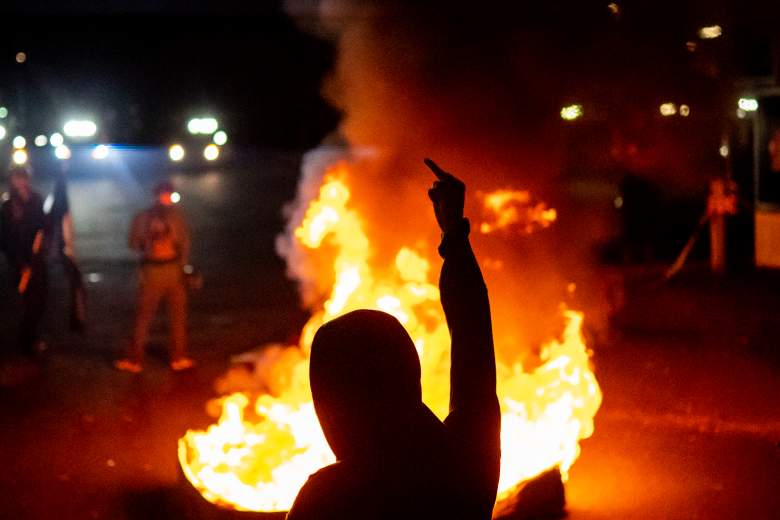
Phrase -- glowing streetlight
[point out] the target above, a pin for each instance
(21, 57)
(710, 32)
(176, 152)
(100, 152)
(220, 138)
(202, 125)
(80, 128)
(685, 110)
(211, 152)
(40, 140)
(19, 156)
(2, 132)
(3, 112)
(19, 142)
(175, 197)
(56, 139)
(571, 112)
(62, 152)
(748, 104)
(668, 109)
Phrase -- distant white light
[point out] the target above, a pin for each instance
(211, 152)
(571, 112)
(175, 197)
(94, 277)
(668, 109)
(724, 150)
(21, 57)
(2, 132)
(202, 125)
(56, 139)
(62, 152)
(19, 142)
(176, 152)
(685, 110)
(220, 138)
(748, 104)
(19, 156)
(710, 32)
(100, 152)
(80, 128)
(3, 112)
(40, 140)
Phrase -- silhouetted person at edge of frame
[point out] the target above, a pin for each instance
(23, 241)
(395, 459)
(160, 235)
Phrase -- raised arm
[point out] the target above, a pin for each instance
(464, 298)
(475, 418)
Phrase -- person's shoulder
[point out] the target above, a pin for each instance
(320, 494)
(145, 213)
(329, 476)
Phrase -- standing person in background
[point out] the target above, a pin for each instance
(60, 222)
(22, 240)
(160, 235)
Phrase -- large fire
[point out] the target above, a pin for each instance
(262, 449)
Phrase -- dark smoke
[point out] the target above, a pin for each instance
(477, 88)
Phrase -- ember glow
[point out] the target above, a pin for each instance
(263, 448)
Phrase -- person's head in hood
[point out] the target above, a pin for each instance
(365, 382)
(19, 180)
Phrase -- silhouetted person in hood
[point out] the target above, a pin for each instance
(395, 459)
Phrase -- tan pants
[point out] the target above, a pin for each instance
(157, 282)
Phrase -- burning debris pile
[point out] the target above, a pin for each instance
(263, 447)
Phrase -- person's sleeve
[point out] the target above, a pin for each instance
(474, 421)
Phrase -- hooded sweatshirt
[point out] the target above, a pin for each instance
(395, 458)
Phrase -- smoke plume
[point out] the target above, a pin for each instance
(469, 87)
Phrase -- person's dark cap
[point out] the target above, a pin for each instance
(163, 187)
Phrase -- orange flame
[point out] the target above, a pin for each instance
(506, 209)
(258, 459)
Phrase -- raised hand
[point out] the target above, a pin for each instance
(448, 195)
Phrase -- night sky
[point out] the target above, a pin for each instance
(143, 71)
(144, 67)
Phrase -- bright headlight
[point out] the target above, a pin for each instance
(176, 152)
